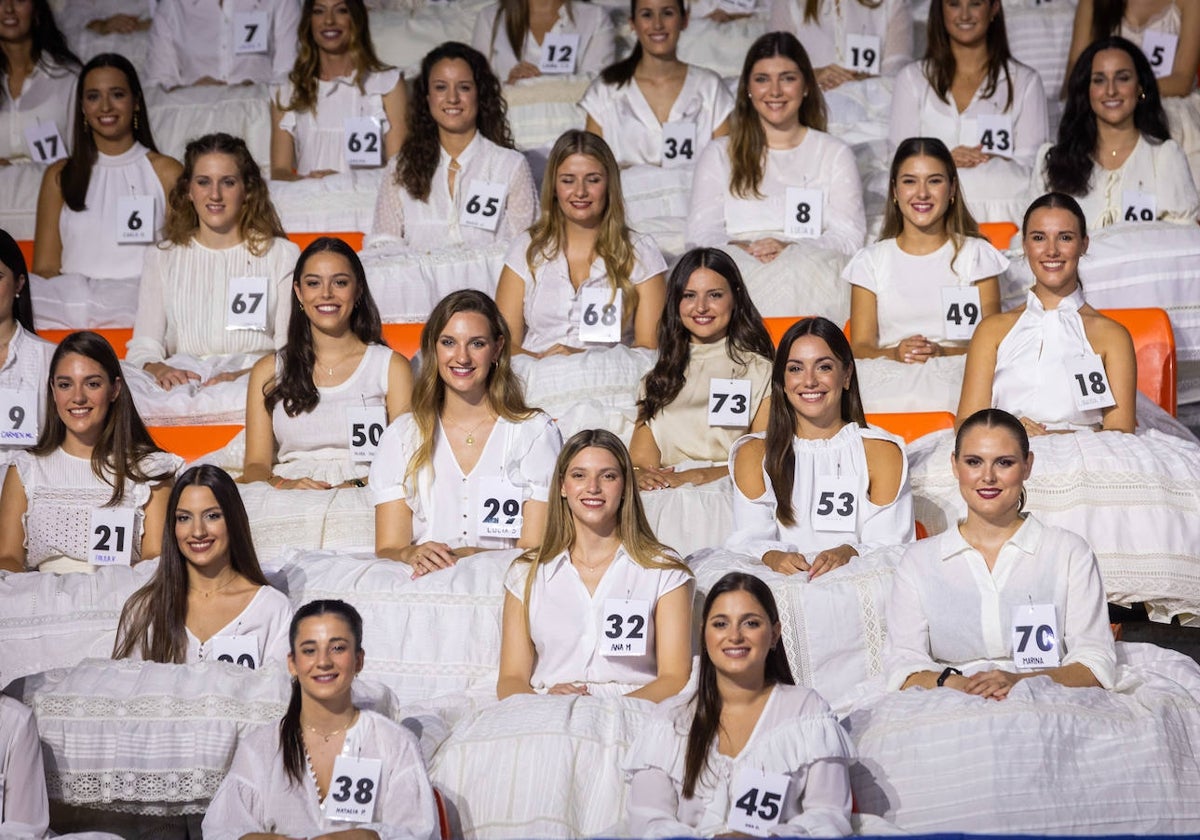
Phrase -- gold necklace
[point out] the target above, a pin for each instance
(329, 369)
(470, 441)
(327, 736)
(209, 593)
(579, 562)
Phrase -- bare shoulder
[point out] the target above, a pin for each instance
(1104, 332)
(165, 167)
(748, 466)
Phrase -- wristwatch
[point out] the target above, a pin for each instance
(941, 680)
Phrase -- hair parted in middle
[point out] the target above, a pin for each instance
(940, 66)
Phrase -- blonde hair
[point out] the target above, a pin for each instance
(548, 235)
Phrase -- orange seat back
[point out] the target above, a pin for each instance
(352, 238)
(1154, 345)
(117, 337)
(190, 442)
(405, 339)
(26, 246)
(1000, 234)
(912, 425)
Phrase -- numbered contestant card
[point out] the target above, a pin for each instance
(18, 417)
(757, 801)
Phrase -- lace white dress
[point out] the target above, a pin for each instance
(1134, 498)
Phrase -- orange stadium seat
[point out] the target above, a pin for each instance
(912, 425)
(190, 442)
(405, 339)
(1000, 234)
(1154, 344)
(26, 246)
(117, 337)
(352, 238)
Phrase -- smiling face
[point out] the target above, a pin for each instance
(991, 471)
(657, 24)
(200, 529)
(466, 351)
(776, 87)
(218, 192)
(594, 486)
(967, 21)
(706, 306)
(331, 26)
(328, 291)
(922, 191)
(16, 20)
(1053, 246)
(814, 380)
(738, 636)
(108, 103)
(453, 97)
(324, 658)
(1114, 89)
(83, 394)
(581, 187)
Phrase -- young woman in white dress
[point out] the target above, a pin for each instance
(300, 401)
(710, 331)
(37, 77)
(581, 246)
(559, 599)
(80, 225)
(747, 713)
(658, 110)
(290, 779)
(778, 155)
(969, 92)
(221, 225)
(929, 242)
(470, 442)
(1114, 141)
(24, 358)
(208, 598)
(512, 34)
(93, 454)
(457, 143)
(819, 485)
(824, 28)
(337, 77)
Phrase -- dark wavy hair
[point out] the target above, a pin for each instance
(939, 65)
(295, 387)
(746, 334)
(1069, 163)
(779, 462)
(621, 72)
(707, 720)
(14, 261)
(747, 140)
(153, 620)
(291, 736)
(306, 69)
(259, 224)
(77, 171)
(1055, 201)
(421, 150)
(47, 40)
(124, 441)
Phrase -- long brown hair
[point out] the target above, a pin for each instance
(47, 44)
(747, 141)
(259, 224)
(634, 529)
(154, 619)
(124, 441)
(707, 719)
(614, 245)
(939, 65)
(307, 69)
(779, 461)
(516, 23)
(812, 8)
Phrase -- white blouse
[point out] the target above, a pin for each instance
(26, 370)
(437, 222)
(1153, 168)
(554, 307)
(320, 135)
(258, 796)
(825, 38)
(756, 530)
(446, 503)
(61, 491)
(796, 735)
(632, 130)
(191, 39)
(24, 807)
(567, 624)
(46, 96)
(597, 38)
(907, 287)
(183, 298)
(946, 608)
(267, 618)
(819, 162)
(918, 112)
(89, 238)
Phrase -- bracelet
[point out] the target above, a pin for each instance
(941, 680)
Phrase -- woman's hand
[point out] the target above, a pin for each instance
(569, 688)
(656, 478)
(524, 70)
(833, 75)
(830, 559)
(428, 557)
(1033, 428)
(916, 349)
(766, 249)
(299, 484)
(120, 24)
(966, 157)
(321, 173)
(785, 562)
(722, 16)
(228, 376)
(993, 685)
(5, 161)
(168, 377)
